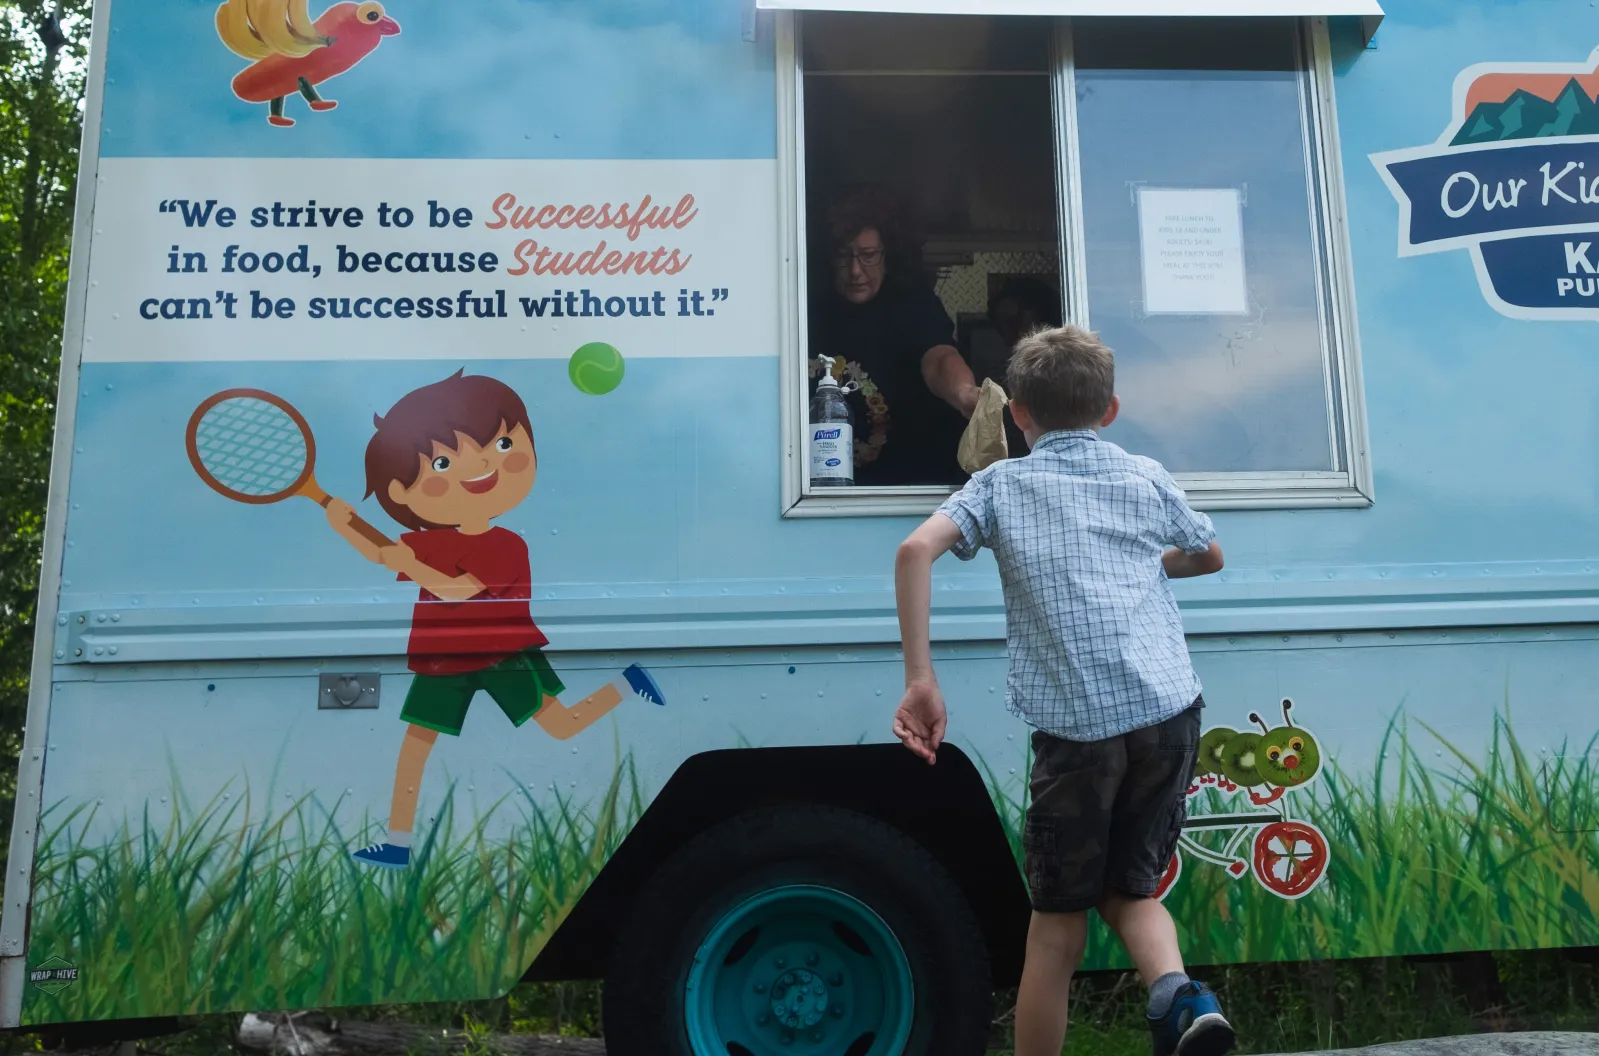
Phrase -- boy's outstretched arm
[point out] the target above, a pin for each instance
(1180, 564)
(1192, 533)
(920, 720)
(401, 558)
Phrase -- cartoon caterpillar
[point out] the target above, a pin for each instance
(1279, 759)
(290, 53)
(1288, 856)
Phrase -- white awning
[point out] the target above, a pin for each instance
(1369, 9)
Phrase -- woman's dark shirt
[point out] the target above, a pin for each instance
(904, 434)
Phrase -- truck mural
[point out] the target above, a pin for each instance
(254, 447)
(1287, 857)
(293, 54)
(527, 316)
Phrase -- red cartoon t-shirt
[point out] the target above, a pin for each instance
(453, 637)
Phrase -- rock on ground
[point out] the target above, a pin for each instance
(322, 1035)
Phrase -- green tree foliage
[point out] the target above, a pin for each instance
(43, 52)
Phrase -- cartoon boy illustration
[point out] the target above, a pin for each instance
(446, 460)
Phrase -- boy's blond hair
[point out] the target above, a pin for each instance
(1065, 376)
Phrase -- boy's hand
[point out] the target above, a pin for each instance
(921, 719)
(397, 558)
(339, 513)
(343, 519)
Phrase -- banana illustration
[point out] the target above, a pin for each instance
(258, 28)
(270, 19)
(300, 24)
(233, 26)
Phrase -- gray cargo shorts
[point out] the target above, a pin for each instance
(1107, 814)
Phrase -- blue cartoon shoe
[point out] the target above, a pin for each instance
(1193, 1026)
(384, 856)
(644, 685)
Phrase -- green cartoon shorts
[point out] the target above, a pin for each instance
(518, 684)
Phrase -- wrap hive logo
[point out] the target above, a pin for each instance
(53, 975)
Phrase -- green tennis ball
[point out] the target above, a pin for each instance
(596, 368)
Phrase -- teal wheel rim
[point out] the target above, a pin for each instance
(799, 970)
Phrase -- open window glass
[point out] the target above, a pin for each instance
(954, 180)
(929, 183)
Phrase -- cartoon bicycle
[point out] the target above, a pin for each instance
(1287, 856)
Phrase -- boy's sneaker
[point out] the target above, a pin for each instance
(643, 684)
(384, 856)
(1193, 1026)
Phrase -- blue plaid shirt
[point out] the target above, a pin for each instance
(1079, 526)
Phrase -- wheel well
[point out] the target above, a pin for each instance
(946, 808)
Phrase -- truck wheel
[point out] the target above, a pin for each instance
(799, 931)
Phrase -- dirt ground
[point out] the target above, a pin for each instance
(1542, 1043)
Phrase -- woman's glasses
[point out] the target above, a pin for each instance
(866, 258)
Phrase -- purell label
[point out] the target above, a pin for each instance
(832, 451)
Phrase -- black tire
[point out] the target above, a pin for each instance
(806, 844)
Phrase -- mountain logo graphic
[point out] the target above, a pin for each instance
(1514, 181)
(1530, 105)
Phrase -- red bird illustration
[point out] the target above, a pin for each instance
(293, 54)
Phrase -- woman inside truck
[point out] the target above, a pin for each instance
(878, 317)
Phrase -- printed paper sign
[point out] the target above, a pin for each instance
(1193, 251)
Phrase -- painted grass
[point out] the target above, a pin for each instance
(229, 908)
(1464, 853)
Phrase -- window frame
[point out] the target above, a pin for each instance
(1350, 487)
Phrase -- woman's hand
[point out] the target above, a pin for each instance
(949, 378)
(966, 400)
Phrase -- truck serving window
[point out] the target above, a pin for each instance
(1170, 183)
(929, 177)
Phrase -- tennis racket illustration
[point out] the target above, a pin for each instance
(252, 446)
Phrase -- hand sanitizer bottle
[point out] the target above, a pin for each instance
(832, 433)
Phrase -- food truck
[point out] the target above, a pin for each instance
(432, 368)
